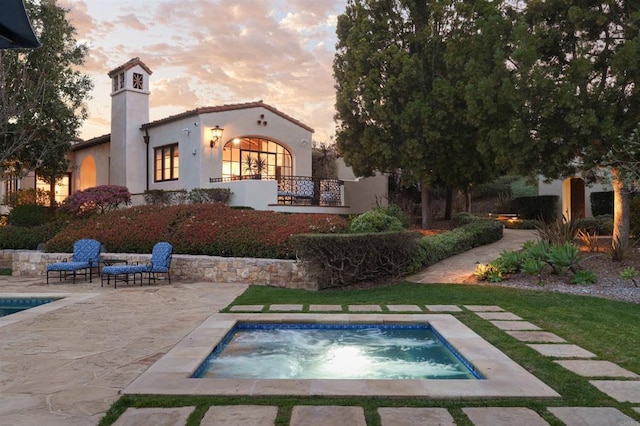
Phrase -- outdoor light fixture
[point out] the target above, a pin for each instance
(216, 135)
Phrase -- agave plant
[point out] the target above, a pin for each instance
(510, 261)
(563, 256)
(584, 277)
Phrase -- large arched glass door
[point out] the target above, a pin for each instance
(255, 158)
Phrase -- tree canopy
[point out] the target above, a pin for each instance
(576, 67)
(402, 82)
(42, 94)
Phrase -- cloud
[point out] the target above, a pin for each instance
(205, 53)
(131, 21)
(174, 92)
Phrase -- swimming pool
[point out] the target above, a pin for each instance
(31, 305)
(10, 306)
(173, 373)
(335, 351)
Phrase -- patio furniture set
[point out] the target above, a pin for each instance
(86, 258)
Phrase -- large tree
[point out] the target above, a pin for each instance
(42, 94)
(575, 73)
(402, 78)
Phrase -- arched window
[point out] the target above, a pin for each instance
(254, 158)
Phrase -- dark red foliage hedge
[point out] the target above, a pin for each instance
(206, 229)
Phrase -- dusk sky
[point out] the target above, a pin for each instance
(214, 52)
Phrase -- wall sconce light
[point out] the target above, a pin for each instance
(216, 135)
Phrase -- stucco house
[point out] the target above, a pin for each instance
(574, 195)
(260, 153)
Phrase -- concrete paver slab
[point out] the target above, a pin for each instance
(507, 316)
(404, 308)
(596, 368)
(365, 308)
(409, 416)
(514, 325)
(483, 308)
(247, 308)
(285, 307)
(443, 308)
(236, 415)
(176, 416)
(536, 336)
(591, 416)
(503, 416)
(620, 390)
(325, 308)
(327, 415)
(562, 350)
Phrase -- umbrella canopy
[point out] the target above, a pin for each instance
(15, 28)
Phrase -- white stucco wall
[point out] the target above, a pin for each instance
(129, 110)
(562, 188)
(244, 123)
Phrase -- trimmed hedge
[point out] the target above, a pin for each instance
(434, 248)
(344, 259)
(29, 215)
(21, 238)
(540, 207)
(200, 229)
(601, 203)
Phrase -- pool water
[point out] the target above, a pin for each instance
(13, 305)
(335, 351)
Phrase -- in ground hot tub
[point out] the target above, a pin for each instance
(174, 373)
(335, 351)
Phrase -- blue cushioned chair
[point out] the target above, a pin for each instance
(160, 261)
(160, 264)
(86, 256)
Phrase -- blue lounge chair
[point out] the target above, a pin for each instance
(160, 261)
(86, 256)
(160, 264)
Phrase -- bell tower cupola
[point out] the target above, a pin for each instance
(129, 110)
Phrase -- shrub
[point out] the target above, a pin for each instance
(434, 248)
(158, 197)
(584, 277)
(29, 215)
(27, 196)
(559, 231)
(601, 203)
(509, 261)
(21, 238)
(341, 260)
(463, 218)
(563, 256)
(600, 225)
(99, 199)
(489, 272)
(541, 207)
(203, 229)
(394, 210)
(375, 221)
(209, 195)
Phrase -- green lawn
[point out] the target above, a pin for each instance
(610, 329)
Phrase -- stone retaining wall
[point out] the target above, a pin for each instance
(273, 272)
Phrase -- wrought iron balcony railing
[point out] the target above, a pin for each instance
(300, 190)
